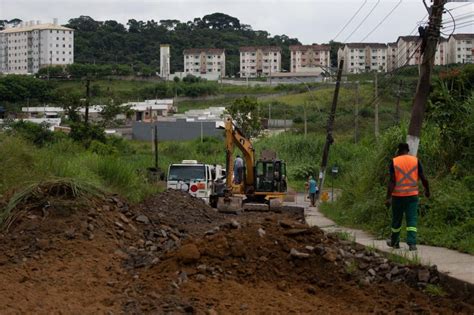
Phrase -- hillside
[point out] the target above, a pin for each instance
(138, 42)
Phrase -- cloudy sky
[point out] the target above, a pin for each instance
(311, 21)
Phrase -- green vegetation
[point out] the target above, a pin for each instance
(447, 154)
(106, 165)
(435, 290)
(404, 258)
(138, 42)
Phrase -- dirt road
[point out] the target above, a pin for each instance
(173, 254)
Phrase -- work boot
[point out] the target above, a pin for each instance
(412, 247)
(394, 246)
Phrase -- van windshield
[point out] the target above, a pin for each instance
(187, 173)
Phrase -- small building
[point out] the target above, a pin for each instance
(150, 110)
(208, 63)
(310, 58)
(256, 61)
(461, 48)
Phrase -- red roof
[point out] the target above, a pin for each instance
(463, 36)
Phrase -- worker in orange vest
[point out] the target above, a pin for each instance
(402, 195)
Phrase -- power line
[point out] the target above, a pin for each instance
(459, 27)
(454, 19)
(383, 20)
(461, 6)
(365, 18)
(350, 20)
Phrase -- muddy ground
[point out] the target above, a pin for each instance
(172, 254)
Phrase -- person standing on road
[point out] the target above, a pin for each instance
(238, 168)
(402, 195)
(312, 190)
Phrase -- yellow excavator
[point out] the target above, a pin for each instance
(263, 182)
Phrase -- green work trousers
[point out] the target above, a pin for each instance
(409, 206)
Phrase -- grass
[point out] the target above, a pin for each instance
(346, 236)
(404, 258)
(25, 164)
(435, 290)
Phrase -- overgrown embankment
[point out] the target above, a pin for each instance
(447, 154)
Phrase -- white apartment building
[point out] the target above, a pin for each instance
(309, 58)
(258, 61)
(408, 51)
(441, 56)
(363, 57)
(461, 48)
(205, 62)
(31, 45)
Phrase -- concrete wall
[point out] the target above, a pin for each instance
(175, 130)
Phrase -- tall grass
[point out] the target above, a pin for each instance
(23, 164)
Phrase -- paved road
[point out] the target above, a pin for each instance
(451, 262)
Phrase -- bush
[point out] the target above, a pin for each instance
(38, 134)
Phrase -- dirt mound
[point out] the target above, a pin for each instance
(277, 265)
(71, 251)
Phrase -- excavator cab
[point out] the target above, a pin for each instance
(270, 176)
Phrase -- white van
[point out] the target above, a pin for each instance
(196, 178)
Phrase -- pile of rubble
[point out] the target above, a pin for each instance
(174, 254)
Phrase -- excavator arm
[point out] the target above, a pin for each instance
(235, 138)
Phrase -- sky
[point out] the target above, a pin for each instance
(311, 21)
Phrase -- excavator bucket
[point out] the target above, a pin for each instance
(231, 204)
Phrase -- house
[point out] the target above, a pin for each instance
(30, 46)
(208, 63)
(150, 110)
(309, 58)
(256, 61)
(460, 48)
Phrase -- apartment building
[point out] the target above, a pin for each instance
(363, 57)
(441, 56)
(205, 62)
(408, 51)
(309, 58)
(31, 45)
(258, 61)
(391, 56)
(460, 48)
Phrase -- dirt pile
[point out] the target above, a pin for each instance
(80, 253)
(275, 264)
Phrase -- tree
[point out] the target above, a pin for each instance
(110, 111)
(334, 47)
(71, 101)
(245, 114)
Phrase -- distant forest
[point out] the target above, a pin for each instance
(138, 42)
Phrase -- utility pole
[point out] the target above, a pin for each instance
(428, 50)
(305, 120)
(397, 108)
(376, 108)
(329, 129)
(356, 114)
(88, 99)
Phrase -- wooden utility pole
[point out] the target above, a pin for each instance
(88, 100)
(428, 50)
(377, 132)
(397, 107)
(305, 120)
(329, 129)
(356, 114)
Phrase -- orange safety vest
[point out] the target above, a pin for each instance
(406, 176)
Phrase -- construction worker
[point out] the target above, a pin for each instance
(402, 195)
(312, 189)
(238, 168)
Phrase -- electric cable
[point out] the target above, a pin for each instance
(383, 20)
(350, 20)
(362, 22)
